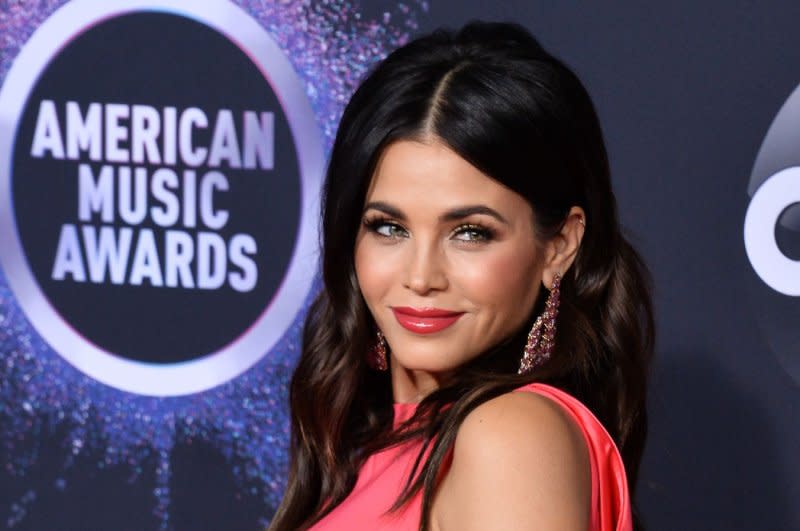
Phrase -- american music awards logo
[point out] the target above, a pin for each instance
(772, 235)
(158, 206)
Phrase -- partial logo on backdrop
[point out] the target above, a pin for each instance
(158, 206)
(772, 235)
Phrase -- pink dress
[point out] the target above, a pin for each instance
(383, 476)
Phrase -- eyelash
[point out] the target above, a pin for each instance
(484, 234)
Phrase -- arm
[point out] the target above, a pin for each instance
(519, 463)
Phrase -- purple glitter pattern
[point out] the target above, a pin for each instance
(331, 45)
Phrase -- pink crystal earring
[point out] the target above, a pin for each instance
(541, 338)
(376, 356)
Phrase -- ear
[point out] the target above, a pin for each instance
(560, 251)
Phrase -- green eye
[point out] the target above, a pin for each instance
(473, 233)
(385, 228)
(390, 230)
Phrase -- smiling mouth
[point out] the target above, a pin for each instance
(425, 320)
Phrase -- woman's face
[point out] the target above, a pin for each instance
(446, 258)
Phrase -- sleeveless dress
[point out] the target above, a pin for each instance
(383, 475)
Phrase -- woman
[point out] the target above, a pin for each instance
(479, 349)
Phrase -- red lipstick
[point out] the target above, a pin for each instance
(425, 320)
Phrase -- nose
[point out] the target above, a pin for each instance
(426, 269)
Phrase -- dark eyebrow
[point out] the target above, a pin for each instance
(463, 212)
(386, 208)
(451, 215)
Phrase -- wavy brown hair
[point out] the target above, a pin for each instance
(494, 96)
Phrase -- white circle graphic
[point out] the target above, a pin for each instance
(230, 361)
(777, 270)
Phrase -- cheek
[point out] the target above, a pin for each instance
(506, 280)
(374, 270)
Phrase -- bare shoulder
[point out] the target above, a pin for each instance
(519, 462)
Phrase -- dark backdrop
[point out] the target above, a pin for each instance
(686, 92)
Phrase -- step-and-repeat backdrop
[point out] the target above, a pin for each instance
(160, 170)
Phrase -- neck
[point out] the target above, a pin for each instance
(410, 386)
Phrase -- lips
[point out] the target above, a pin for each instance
(425, 320)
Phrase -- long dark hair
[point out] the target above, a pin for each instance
(495, 97)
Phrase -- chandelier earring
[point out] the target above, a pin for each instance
(376, 355)
(541, 338)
